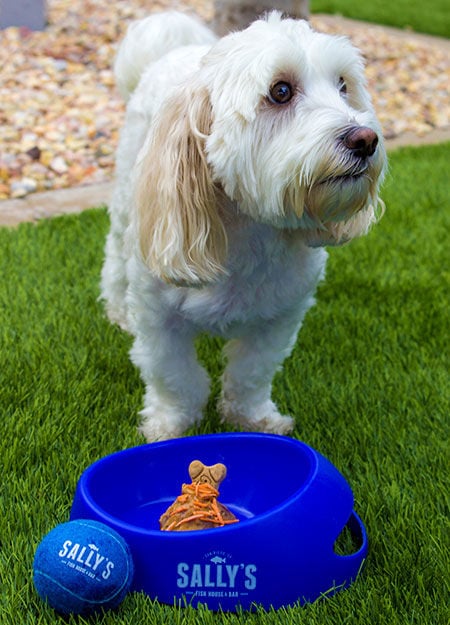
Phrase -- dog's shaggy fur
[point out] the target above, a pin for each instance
(240, 159)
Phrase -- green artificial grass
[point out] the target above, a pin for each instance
(367, 383)
(431, 17)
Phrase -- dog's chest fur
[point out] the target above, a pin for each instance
(270, 274)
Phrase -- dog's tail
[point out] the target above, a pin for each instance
(149, 39)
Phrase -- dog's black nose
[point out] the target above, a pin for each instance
(362, 141)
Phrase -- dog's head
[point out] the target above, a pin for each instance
(277, 119)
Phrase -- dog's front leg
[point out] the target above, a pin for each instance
(177, 387)
(247, 381)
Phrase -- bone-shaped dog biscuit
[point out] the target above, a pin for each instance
(197, 507)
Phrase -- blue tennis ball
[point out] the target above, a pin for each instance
(82, 566)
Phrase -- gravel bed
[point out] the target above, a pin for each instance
(60, 113)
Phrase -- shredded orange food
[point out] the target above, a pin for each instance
(204, 506)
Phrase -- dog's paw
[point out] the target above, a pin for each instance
(276, 424)
(163, 426)
(154, 431)
(118, 316)
(262, 418)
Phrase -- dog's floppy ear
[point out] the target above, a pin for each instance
(182, 237)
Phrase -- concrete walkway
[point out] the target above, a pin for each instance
(349, 23)
(51, 203)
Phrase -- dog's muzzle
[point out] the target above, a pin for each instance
(356, 147)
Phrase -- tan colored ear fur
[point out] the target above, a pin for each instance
(182, 236)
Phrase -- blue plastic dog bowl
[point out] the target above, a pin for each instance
(291, 501)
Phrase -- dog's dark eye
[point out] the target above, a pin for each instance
(342, 86)
(281, 92)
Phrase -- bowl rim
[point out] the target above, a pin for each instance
(313, 458)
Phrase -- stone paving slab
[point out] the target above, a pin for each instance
(349, 24)
(52, 203)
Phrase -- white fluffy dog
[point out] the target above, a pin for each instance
(240, 159)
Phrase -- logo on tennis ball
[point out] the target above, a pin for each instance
(86, 559)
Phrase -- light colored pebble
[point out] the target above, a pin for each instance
(22, 187)
(59, 165)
